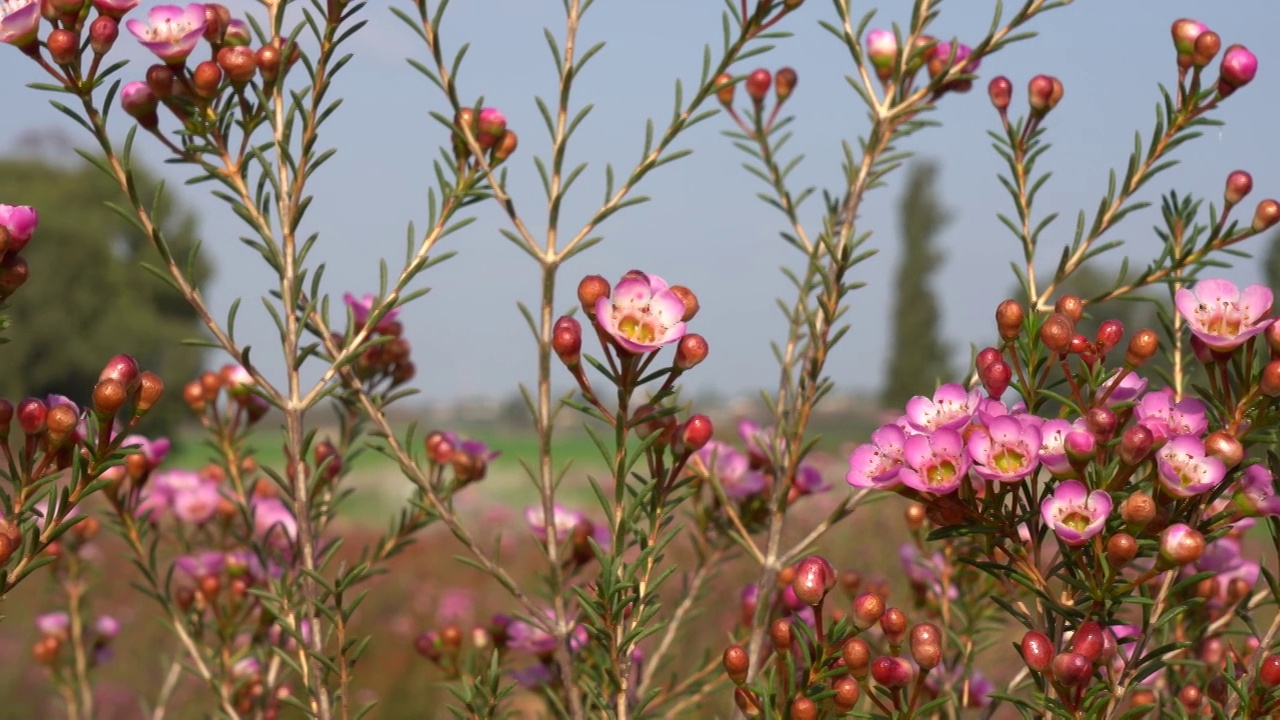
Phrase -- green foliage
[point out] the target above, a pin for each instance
(1271, 263)
(919, 355)
(89, 296)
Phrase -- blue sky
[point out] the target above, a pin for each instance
(704, 227)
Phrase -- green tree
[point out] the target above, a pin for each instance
(1271, 263)
(919, 355)
(88, 296)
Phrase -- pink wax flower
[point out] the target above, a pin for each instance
(115, 9)
(934, 463)
(563, 521)
(809, 481)
(951, 407)
(54, 624)
(1185, 469)
(1074, 514)
(207, 563)
(972, 688)
(732, 469)
(882, 48)
(19, 25)
(274, 521)
(1239, 66)
(1225, 557)
(1126, 390)
(1157, 412)
(196, 505)
(1221, 315)
(942, 51)
(1255, 493)
(19, 220)
(362, 307)
(170, 31)
(154, 451)
(1005, 449)
(530, 638)
(876, 464)
(642, 314)
(926, 573)
(1053, 444)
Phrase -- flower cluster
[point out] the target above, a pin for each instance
(757, 85)
(386, 359)
(17, 226)
(487, 128)
(949, 64)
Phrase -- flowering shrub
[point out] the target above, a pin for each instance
(1079, 510)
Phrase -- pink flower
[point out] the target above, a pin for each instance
(1256, 492)
(1053, 444)
(934, 463)
(274, 521)
(530, 638)
(1185, 469)
(809, 481)
(203, 564)
(563, 521)
(19, 25)
(1005, 450)
(1239, 66)
(1074, 514)
(115, 8)
(19, 220)
(170, 31)
(876, 464)
(732, 469)
(926, 572)
(362, 307)
(642, 314)
(1129, 387)
(882, 48)
(951, 407)
(1224, 557)
(154, 451)
(942, 51)
(197, 505)
(1221, 315)
(54, 624)
(1164, 418)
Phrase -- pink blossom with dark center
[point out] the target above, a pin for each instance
(196, 505)
(19, 25)
(1255, 493)
(1223, 316)
(732, 469)
(1185, 469)
(934, 463)
(19, 220)
(362, 308)
(1225, 558)
(1165, 418)
(1074, 514)
(951, 407)
(1005, 450)
(563, 521)
(274, 522)
(642, 314)
(170, 31)
(876, 464)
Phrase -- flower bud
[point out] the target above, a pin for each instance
(736, 663)
(1238, 68)
(690, 301)
(1269, 671)
(1009, 317)
(892, 672)
(123, 369)
(1040, 95)
(269, 62)
(1000, 90)
(1225, 447)
(237, 34)
(996, 378)
(814, 579)
(103, 32)
(1138, 509)
(1122, 548)
(802, 708)
(882, 51)
(784, 83)
(915, 516)
(726, 89)
(1079, 345)
(691, 350)
(239, 63)
(206, 79)
(506, 147)
(1179, 545)
(847, 693)
(893, 623)
(1056, 333)
(1072, 669)
(758, 83)
(490, 126)
(1037, 651)
(926, 645)
(1109, 335)
(139, 101)
(1071, 306)
(985, 357)
(566, 340)
(695, 434)
(1142, 347)
(440, 449)
(857, 657)
(61, 422)
(867, 610)
(217, 17)
(1185, 31)
(32, 414)
(193, 396)
(780, 635)
(1266, 216)
(150, 389)
(1088, 640)
(1081, 448)
(63, 46)
(1191, 698)
(1239, 185)
(108, 397)
(1206, 48)
(1269, 382)
(591, 289)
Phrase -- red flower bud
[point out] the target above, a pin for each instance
(725, 94)
(103, 32)
(1206, 48)
(857, 656)
(847, 693)
(814, 579)
(747, 702)
(1009, 316)
(1109, 335)
(802, 708)
(108, 397)
(150, 388)
(239, 63)
(1142, 347)
(206, 79)
(1238, 68)
(1122, 548)
(784, 83)
(1071, 306)
(1191, 698)
(1185, 31)
(269, 62)
(926, 645)
(14, 271)
(1000, 90)
(32, 414)
(1179, 545)
(1040, 95)
(1072, 669)
(867, 610)
(893, 623)
(440, 448)
(63, 46)
(1056, 333)
(736, 663)
(1239, 185)
(566, 340)
(758, 83)
(123, 369)
(1136, 444)
(996, 378)
(1037, 650)
(1225, 447)
(695, 434)
(986, 356)
(1269, 383)
(892, 672)
(1138, 509)
(689, 300)
(1269, 671)
(780, 635)
(1088, 641)
(691, 350)
(1266, 216)
(506, 147)
(1102, 422)
(591, 289)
